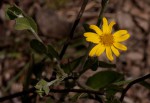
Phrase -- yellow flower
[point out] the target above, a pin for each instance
(106, 40)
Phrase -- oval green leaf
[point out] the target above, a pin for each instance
(13, 12)
(103, 79)
(26, 23)
(38, 46)
(93, 64)
(52, 53)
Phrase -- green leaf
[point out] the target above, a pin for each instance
(93, 64)
(103, 79)
(32, 24)
(23, 22)
(42, 86)
(26, 23)
(69, 67)
(46, 89)
(38, 47)
(52, 53)
(123, 82)
(13, 12)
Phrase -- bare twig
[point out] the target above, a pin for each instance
(76, 91)
(131, 84)
(104, 5)
(73, 29)
(32, 90)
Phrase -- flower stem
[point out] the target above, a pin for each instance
(36, 35)
(104, 5)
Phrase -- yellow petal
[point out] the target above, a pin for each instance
(96, 29)
(115, 51)
(105, 26)
(109, 54)
(100, 50)
(92, 37)
(90, 34)
(122, 38)
(93, 51)
(111, 26)
(120, 46)
(120, 33)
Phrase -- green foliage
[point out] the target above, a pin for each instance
(93, 64)
(42, 87)
(26, 23)
(23, 22)
(52, 53)
(38, 47)
(103, 79)
(13, 12)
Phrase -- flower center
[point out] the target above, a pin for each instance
(107, 39)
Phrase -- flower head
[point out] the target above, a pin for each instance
(105, 40)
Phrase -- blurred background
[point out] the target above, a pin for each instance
(54, 19)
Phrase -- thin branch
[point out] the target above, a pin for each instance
(104, 5)
(131, 84)
(25, 92)
(73, 28)
(36, 36)
(76, 91)
(32, 90)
